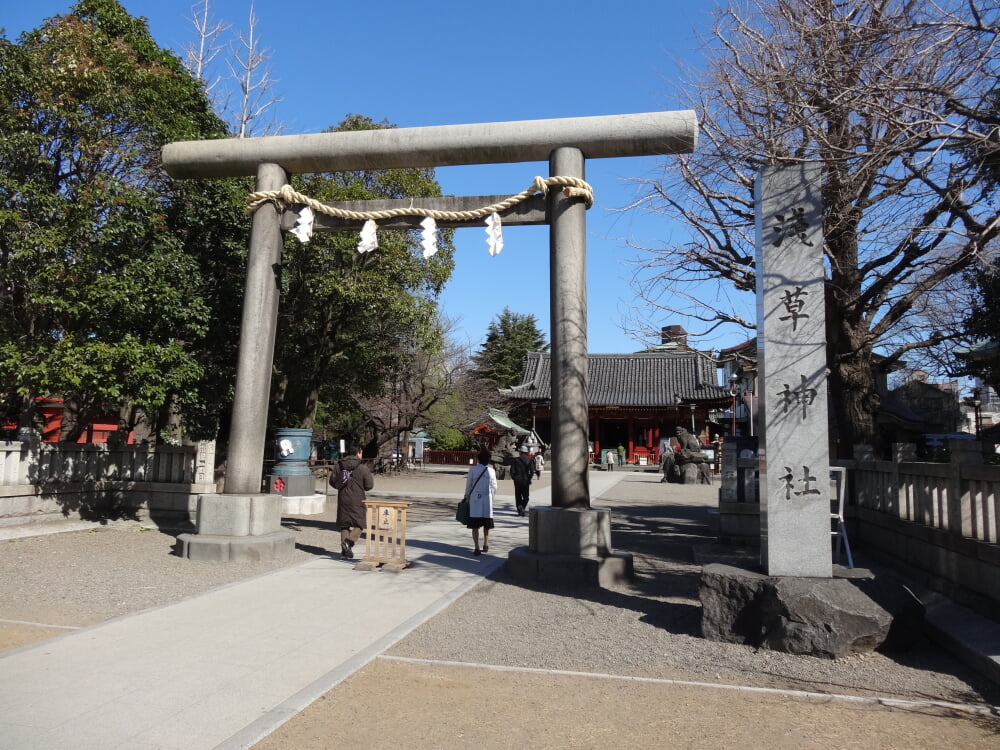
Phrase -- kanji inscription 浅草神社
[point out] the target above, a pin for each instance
(794, 442)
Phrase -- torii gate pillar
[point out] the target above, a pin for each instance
(569, 543)
(568, 316)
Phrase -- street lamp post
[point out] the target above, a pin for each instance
(741, 393)
(679, 403)
(977, 405)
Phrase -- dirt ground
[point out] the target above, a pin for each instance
(392, 704)
(15, 634)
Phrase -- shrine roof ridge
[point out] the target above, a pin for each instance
(650, 379)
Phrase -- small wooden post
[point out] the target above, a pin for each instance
(385, 545)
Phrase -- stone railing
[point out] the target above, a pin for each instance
(48, 463)
(14, 461)
(960, 498)
(941, 521)
(46, 479)
(938, 521)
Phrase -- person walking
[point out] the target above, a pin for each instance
(539, 461)
(352, 480)
(522, 469)
(481, 488)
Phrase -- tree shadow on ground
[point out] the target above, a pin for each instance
(662, 538)
(664, 590)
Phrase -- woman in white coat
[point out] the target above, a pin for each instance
(480, 488)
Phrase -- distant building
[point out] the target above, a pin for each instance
(936, 403)
(635, 400)
(739, 372)
(895, 419)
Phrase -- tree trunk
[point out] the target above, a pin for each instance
(852, 388)
(312, 404)
(29, 408)
(71, 427)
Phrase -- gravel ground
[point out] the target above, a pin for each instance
(649, 628)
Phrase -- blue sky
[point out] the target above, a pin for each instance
(443, 62)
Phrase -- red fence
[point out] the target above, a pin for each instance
(463, 458)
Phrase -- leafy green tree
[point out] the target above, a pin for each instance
(351, 325)
(102, 292)
(888, 96)
(209, 219)
(508, 339)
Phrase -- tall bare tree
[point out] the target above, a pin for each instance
(889, 96)
(250, 115)
(200, 55)
(435, 389)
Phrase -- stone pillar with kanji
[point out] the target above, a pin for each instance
(791, 340)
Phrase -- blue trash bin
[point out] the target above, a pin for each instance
(292, 446)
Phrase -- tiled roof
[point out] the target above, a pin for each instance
(747, 349)
(645, 379)
(500, 419)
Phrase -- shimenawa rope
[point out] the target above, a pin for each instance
(286, 197)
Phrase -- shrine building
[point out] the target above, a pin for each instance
(636, 400)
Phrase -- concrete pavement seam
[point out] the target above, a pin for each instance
(43, 624)
(287, 709)
(985, 710)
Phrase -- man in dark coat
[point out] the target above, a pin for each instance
(352, 478)
(522, 469)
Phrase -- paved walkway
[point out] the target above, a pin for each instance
(222, 669)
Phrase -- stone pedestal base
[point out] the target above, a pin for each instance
(739, 523)
(276, 546)
(295, 485)
(237, 528)
(303, 505)
(568, 547)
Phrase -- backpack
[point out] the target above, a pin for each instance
(342, 479)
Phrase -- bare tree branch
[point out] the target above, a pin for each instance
(248, 67)
(891, 97)
(200, 55)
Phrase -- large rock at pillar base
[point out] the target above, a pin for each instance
(826, 617)
(730, 604)
(896, 597)
(823, 617)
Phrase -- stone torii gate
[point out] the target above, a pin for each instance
(242, 522)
